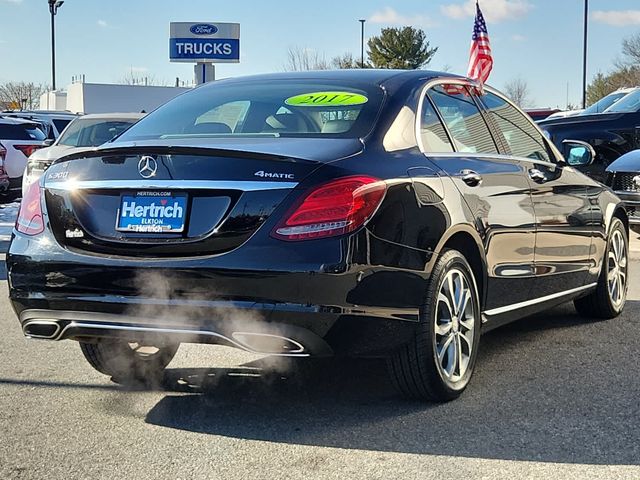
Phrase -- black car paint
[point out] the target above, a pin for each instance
(610, 134)
(360, 293)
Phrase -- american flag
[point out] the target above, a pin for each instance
(480, 59)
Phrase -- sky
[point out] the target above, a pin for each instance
(539, 41)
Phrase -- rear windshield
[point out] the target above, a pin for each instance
(628, 104)
(93, 132)
(270, 108)
(11, 131)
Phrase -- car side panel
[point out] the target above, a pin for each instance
(503, 214)
(564, 229)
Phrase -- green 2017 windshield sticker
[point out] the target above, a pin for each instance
(326, 99)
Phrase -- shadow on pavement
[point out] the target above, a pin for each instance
(551, 388)
(45, 384)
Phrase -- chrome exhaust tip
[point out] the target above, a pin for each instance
(44, 329)
(268, 343)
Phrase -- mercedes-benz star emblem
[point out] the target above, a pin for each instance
(147, 166)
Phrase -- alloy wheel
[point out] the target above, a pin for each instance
(454, 326)
(617, 269)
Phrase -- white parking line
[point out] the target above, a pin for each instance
(7, 224)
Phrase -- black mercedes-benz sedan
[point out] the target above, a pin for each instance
(362, 213)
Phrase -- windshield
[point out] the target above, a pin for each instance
(93, 132)
(629, 104)
(270, 108)
(604, 103)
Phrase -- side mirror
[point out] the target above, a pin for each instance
(578, 153)
(48, 142)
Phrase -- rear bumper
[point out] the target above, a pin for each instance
(310, 309)
(265, 338)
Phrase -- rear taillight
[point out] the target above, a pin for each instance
(27, 149)
(3, 153)
(335, 208)
(30, 221)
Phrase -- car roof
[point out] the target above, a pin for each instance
(368, 75)
(56, 113)
(17, 121)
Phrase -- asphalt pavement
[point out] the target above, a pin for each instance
(554, 396)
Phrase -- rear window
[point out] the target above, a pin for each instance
(268, 108)
(10, 131)
(93, 132)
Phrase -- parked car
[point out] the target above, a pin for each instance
(4, 178)
(611, 133)
(52, 122)
(82, 133)
(20, 138)
(364, 213)
(538, 114)
(604, 103)
(623, 176)
(598, 107)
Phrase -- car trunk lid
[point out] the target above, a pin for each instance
(173, 200)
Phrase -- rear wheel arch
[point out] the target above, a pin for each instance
(470, 247)
(621, 213)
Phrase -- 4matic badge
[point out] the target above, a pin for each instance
(262, 173)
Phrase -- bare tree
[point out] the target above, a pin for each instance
(631, 50)
(347, 60)
(20, 95)
(300, 59)
(518, 91)
(134, 78)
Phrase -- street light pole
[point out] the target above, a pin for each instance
(362, 20)
(584, 55)
(54, 5)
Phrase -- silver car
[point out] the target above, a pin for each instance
(82, 133)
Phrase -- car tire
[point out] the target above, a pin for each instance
(606, 301)
(129, 362)
(429, 367)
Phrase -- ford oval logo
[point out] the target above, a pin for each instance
(203, 29)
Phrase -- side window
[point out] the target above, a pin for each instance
(432, 133)
(463, 119)
(523, 139)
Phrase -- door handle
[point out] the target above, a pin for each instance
(537, 175)
(471, 178)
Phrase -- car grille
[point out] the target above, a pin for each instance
(624, 182)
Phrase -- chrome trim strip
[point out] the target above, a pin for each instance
(177, 331)
(528, 303)
(247, 186)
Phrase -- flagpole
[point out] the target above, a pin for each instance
(584, 55)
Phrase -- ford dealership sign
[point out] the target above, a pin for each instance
(203, 29)
(204, 42)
